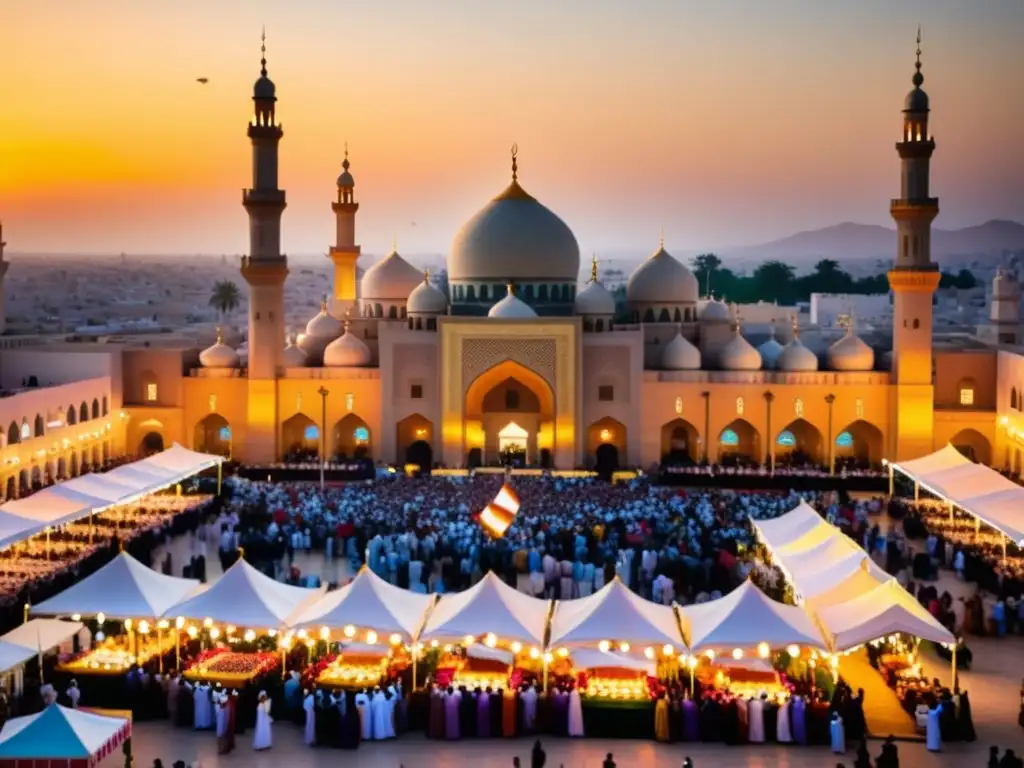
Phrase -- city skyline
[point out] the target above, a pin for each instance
(722, 128)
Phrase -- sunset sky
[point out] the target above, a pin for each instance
(724, 123)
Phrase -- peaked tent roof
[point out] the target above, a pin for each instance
(811, 537)
(368, 601)
(35, 636)
(862, 580)
(614, 613)
(745, 618)
(124, 588)
(886, 609)
(787, 527)
(245, 597)
(490, 605)
(58, 733)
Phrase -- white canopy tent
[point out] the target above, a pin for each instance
(123, 589)
(589, 658)
(884, 610)
(369, 602)
(62, 737)
(744, 619)
(33, 638)
(617, 613)
(490, 605)
(245, 597)
(975, 488)
(788, 527)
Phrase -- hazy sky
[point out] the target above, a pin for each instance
(722, 122)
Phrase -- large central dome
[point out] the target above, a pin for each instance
(514, 239)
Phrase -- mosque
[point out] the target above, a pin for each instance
(520, 358)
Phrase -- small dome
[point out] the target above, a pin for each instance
(916, 101)
(594, 299)
(661, 280)
(345, 180)
(715, 311)
(680, 355)
(220, 355)
(390, 279)
(739, 355)
(323, 326)
(770, 350)
(264, 89)
(426, 299)
(347, 351)
(511, 307)
(796, 357)
(850, 353)
(293, 357)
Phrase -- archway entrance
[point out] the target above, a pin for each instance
(606, 431)
(509, 393)
(858, 444)
(213, 435)
(300, 438)
(152, 443)
(606, 459)
(679, 443)
(351, 438)
(74, 468)
(513, 445)
(414, 430)
(973, 445)
(739, 443)
(12, 489)
(798, 443)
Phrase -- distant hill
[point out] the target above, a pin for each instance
(849, 242)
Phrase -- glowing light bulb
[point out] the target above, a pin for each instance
(624, 647)
(214, 633)
(491, 640)
(604, 646)
(249, 636)
(548, 658)
(763, 650)
(395, 639)
(517, 647)
(371, 637)
(350, 631)
(76, 617)
(563, 653)
(534, 653)
(667, 650)
(468, 640)
(649, 652)
(271, 633)
(710, 654)
(737, 653)
(793, 651)
(163, 624)
(192, 632)
(179, 622)
(434, 643)
(302, 634)
(691, 662)
(231, 629)
(207, 623)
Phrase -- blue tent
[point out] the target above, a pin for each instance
(68, 737)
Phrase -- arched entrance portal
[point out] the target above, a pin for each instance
(739, 443)
(606, 459)
(152, 443)
(679, 443)
(213, 435)
(973, 445)
(859, 444)
(351, 438)
(505, 394)
(513, 445)
(798, 443)
(606, 431)
(414, 430)
(300, 438)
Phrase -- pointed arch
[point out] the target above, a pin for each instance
(83, 413)
(799, 442)
(71, 416)
(679, 443)
(300, 437)
(740, 442)
(73, 471)
(974, 445)
(415, 430)
(95, 408)
(152, 442)
(212, 434)
(860, 442)
(40, 426)
(13, 433)
(106, 405)
(351, 438)
(606, 432)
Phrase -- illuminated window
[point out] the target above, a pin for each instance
(362, 434)
(729, 437)
(845, 440)
(739, 406)
(213, 403)
(606, 393)
(966, 396)
(26, 431)
(679, 405)
(312, 432)
(798, 406)
(225, 433)
(350, 401)
(151, 392)
(787, 440)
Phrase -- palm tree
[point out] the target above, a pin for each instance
(225, 297)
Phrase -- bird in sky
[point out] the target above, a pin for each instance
(203, 80)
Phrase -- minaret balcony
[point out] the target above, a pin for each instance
(910, 203)
(268, 197)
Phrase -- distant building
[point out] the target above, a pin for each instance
(833, 310)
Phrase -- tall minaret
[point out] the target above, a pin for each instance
(4, 265)
(264, 269)
(913, 280)
(345, 253)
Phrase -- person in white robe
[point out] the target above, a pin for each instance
(933, 734)
(575, 713)
(529, 697)
(755, 726)
(48, 694)
(309, 706)
(201, 707)
(782, 730)
(838, 733)
(379, 714)
(74, 694)
(221, 718)
(261, 737)
(362, 702)
(392, 703)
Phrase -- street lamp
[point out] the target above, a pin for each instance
(830, 400)
(323, 432)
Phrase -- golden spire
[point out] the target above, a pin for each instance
(263, 51)
(593, 269)
(513, 191)
(515, 165)
(511, 288)
(426, 276)
(220, 335)
(796, 328)
(323, 305)
(918, 77)
(345, 164)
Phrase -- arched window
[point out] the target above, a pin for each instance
(556, 293)
(311, 433)
(95, 408)
(83, 413)
(72, 415)
(431, 324)
(542, 292)
(40, 426)
(599, 325)
(392, 312)
(26, 431)
(739, 406)
(844, 440)
(106, 406)
(664, 316)
(786, 439)
(649, 316)
(13, 434)
(1013, 398)
(483, 293)
(729, 437)
(677, 316)
(470, 293)
(917, 323)
(588, 324)
(378, 310)
(528, 292)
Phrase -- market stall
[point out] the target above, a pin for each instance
(63, 738)
(31, 640)
(617, 691)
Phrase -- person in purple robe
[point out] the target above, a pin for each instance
(451, 714)
(691, 720)
(561, 713)
(483, 714)
(798, 713)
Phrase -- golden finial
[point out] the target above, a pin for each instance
(345, 163)
(918, 77)
(515, 164)
(426, 275)
(511, 288)
(796, 327)
(263, 51)
(323, 305)
(220, 335)
(593, 269)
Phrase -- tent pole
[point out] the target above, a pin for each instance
(159, 644)
(891, 481)
(954, 664)
(1004, 550)
(412, 689)
(220, 476)
(545, 674)
(917, 491)
(951, 512)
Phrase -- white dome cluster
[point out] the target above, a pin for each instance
(795, 357)
(426, 299)
(850, 353)
(511, 307)
(680, 355)
(739, 354)
(387, 284)
(347, 351)
(220, 355)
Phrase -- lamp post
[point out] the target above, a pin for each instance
(707, 423)
(323, 432)
(769, 458)
(830, 400)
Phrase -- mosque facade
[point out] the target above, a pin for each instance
(520, 357)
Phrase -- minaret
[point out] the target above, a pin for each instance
(4, 265)
(345, 253)
(264, 269)
(913, 280)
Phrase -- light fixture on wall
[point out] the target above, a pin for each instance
(606, 435)
(421, 432)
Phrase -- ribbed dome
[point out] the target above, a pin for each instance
(680, 355)
(739, 355)
(850, 353)
(661, 280)
(323, 325)
(426, 299)
(514, 237)
(392, 279)
(347, 351)
(594, 299)
(220, 355)
(511, 307)
(796, 357)
(293, 357)
(770, 350)
(715, 311)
